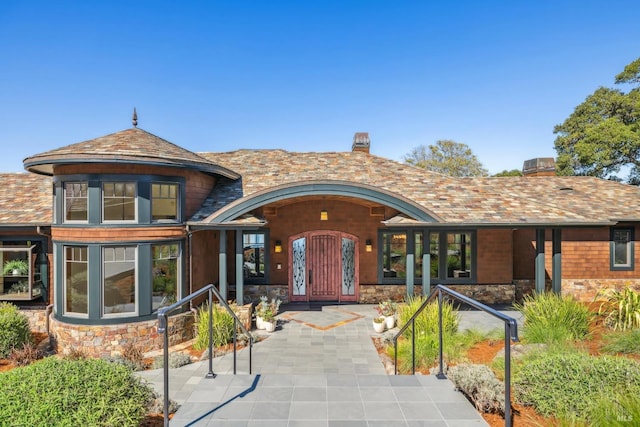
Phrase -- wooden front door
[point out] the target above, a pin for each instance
(323, 266)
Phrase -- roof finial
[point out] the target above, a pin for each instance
(135, 118)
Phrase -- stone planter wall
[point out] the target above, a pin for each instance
(109, 340)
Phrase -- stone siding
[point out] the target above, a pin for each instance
(109, 340)
(586, 290)
(37, 319)
(487, 294)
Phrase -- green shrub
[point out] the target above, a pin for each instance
(621, 310)
(176, 360)
(427, 349)
(619, 410)
(623, 342)
(89, 392)
(480, 385)
(550, 318)
(565, 384)
(222, 327)
(14, 329)
(427, 320)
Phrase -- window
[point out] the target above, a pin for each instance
(119, 201)
(119, 280)
(458, 255)
(164, 202)
(394, 254)
(451, 255)
(253, 255)
(164, 266)
(622, 249)
(75, 280)
(75, 201)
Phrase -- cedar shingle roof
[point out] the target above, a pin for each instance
(490, 201)
(128, 146)
(25, 199)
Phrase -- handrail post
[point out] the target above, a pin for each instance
(235, 328)
(211, 374)
(395, 355)
(507, 374)
(162, 327)
(441, 374)
(413, 347)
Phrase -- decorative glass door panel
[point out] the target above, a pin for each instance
(348, 266)
(299, 269)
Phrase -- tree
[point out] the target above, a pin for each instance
(602, 135)
(446, 157)
(512, 172)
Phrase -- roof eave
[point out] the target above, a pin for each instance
(44, 166)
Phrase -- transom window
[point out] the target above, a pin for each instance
(75, 201)
(622, 249)
(119, 280)
(76, 268)
(119, 201)
(164, 202)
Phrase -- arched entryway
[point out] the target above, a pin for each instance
(323, 266)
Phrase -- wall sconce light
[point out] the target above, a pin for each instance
(324, 215)
(278, 246)
(368, 246)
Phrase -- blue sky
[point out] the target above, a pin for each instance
(306, 75)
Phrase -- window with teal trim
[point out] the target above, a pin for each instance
(394, 254)
(164, 264)
(164, 202)
(76, 202)
(119, 201)
(76, 285)
(253, 256)
(119, 284)
(621, 249)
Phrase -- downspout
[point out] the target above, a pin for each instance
(49, 308)
(190, 245)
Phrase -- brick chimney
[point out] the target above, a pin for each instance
(361, 142)
(541, 166)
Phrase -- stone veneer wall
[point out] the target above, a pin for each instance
(586, 290)
(271, 291)
(109, 340)
(37, 319)
(487, 294)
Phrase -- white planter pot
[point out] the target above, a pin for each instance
(259, 323)
(379, 326)
(270, 326)
(390, 321)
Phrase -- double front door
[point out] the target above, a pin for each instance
(323, 266)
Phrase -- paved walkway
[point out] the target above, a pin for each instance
(320, 368)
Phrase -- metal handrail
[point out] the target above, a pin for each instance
(163, 315)
(510, 333)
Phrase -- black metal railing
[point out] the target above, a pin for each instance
(510, 334)
(163, 315)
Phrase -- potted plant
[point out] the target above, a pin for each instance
(16, 267)
(266, 312)
(387, 309)
(379, 324)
